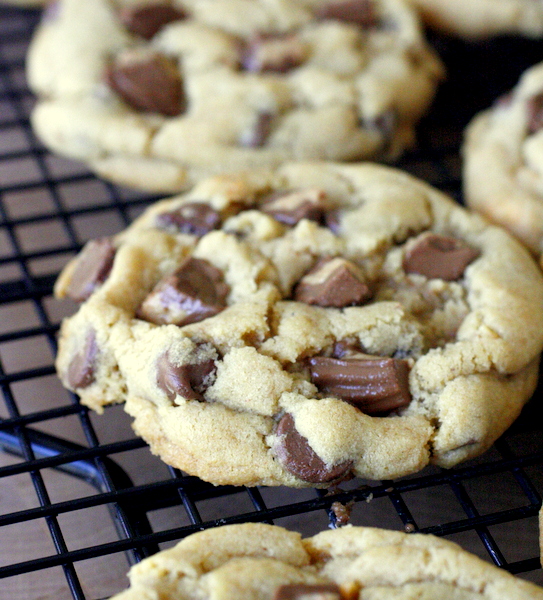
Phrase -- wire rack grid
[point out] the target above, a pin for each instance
(81, 498)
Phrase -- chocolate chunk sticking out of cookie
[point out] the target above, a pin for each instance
(278, 54)
(80, 372)
(535, 113)
(146, 20)
(374, 384)
(306, 591)
(194, 218)
(333, 282)
(189, 381)
(297, 456)
(147, 81)
(257, 134)
(91, 268)
(291, 207)
(193, 293)
(439, 257)
(361, 12)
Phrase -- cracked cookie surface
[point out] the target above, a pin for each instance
(480, 19)
(266, 562)
(503, 161)
(155, 95)
(302, 325)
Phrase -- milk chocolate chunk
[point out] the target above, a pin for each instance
(258, 132)
(291, 207)
(194, 292)
(92, 268)
(332, 219)
(297, 456)
(535, 113)
(80, 372)
(195, 218)
(189, 381)
(149, 82)
(333, 282)
(147, 20)
(361, 12)
(375, 385)
(277, 54)
(306, 591)
(439, 257)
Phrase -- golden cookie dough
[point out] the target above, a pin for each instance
(250, 83)
(334, 320)
(264, 562)
(503, 161)
(481, 19)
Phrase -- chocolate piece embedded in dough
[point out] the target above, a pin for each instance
(334, 282)
(195, 218)
(361, 12)
(92, 268)
(80, 372)
(535, 113)
(374, 384)
(149, 82)
(278, 54)
(297, 456)
(291, 207)
(147, 20)
(189, 381)
(306, 591)
(439, 257)
(193, 293)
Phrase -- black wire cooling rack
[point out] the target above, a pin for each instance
(81, 498)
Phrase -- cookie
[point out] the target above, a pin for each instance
(304, 325)
(266, 562)
(157, 95)
(480, 19)
(503, 161)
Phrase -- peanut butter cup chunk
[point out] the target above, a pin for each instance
(146, 20)
(297, 456)
(195, 218)
(147, 81)
(194, 292)
(306, 591)
(439, 257)
(373, 384)
(189, 381)
(334, 282)
(292, 206)
(81, 369)
(91, 268)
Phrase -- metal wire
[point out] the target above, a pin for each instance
(514, 464)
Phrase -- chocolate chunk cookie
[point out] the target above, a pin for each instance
(503, 161)
(480, 19)
(265, 562)
(155, 94)
(306, 325)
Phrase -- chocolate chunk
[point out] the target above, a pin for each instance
(535, 113)
(291, 207)
(333, 282)
(195, 218)
(194, 292)
(146, 20)
(256, 136)
(332, 220)
(147, 82)
(373, 384)
(277, 54)
(92, 268)
(189, 381)
(306, 591)
(361, 12)
(297, 456)
(80, 372)
(439, 257)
